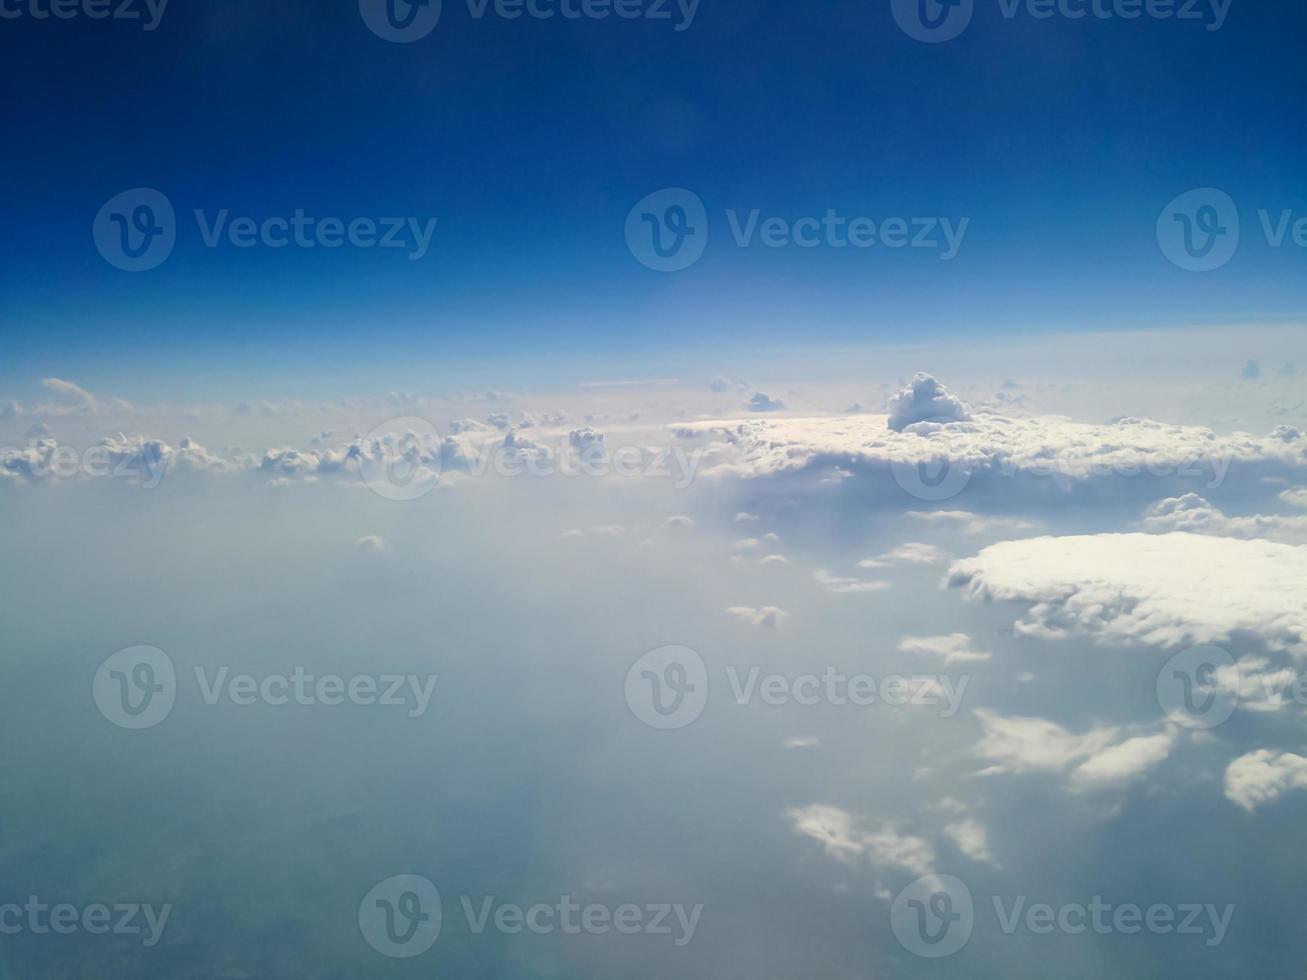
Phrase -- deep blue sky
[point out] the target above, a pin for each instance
(1060, 140)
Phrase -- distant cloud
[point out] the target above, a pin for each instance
(1164, 590)
(371, 542)
(1261, 777)
(1251, 371)
(842, 838)
(844, 586)
(767, 617)
(762, 403)
(925, 400)
(955, 648)
(1192, 513)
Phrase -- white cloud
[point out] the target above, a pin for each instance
(371, 542)
(913, 553)
(762, 403)
(1295, 496)
(969, 523)
(1095, 759)
(1070, 454)
(972, 839)
(954, 648)
(839, 833)
(1125, 760)
(1166, 590)
(802, 742)
(841, 585)
(1260, 777)
(925, 400)
(767, 617)
(773, 560)
(1192, 513)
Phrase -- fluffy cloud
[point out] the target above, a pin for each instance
(768, 617)
(1099, 757)
(840, 833)
(1166, 590)
(1060, 453)
(954, 648)
(762, 403)
(913, 553)
(1192, 513)
(972, 839)
(1260, 777)
(925, 400)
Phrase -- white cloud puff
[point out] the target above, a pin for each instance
(972, 839)
(1192, 513)
(1260, 777)
(955, 648)
(925, 400)
(1097, 758)
(767, 617)
(839, 833)
(1165, 590)
(842, 585)
(1062, 453)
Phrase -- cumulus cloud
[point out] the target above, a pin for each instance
(1261, 777)
(955, 648)
(1046, 453)
(925, 400)
(762, 403)
(843, 838)
(1165, 590)
(767, 617)
(972, 839)
(1097, 758)
(1193, 513)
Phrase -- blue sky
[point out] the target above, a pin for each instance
(1059, 140)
